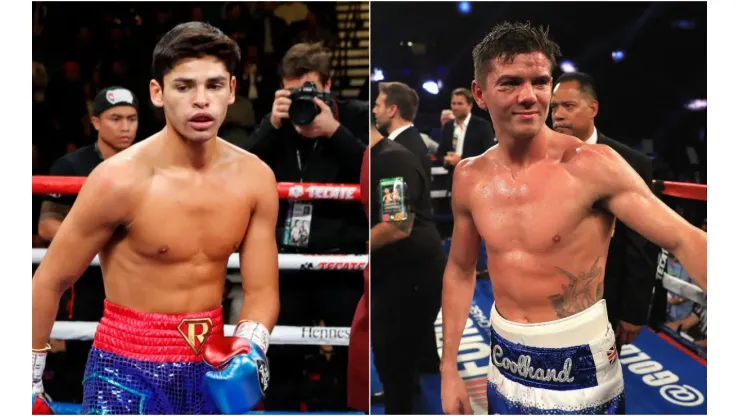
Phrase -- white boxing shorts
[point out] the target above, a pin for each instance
(567, 366)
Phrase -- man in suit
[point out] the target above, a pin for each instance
(395, 111)
(630, 265)
(466, 135)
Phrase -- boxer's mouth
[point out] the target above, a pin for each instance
(201, 118)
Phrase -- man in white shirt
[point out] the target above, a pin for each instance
(466, 135)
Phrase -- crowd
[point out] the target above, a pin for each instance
(91, 72)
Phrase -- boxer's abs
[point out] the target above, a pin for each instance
(153, 286)
(549, 269)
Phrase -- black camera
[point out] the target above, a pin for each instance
(302, 109)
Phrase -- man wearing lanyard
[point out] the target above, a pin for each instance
(327, 148)
(115, 117)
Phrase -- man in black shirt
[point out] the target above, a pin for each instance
(406, 274)
(115, 117)
(329, 149)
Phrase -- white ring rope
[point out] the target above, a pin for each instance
(285, 261)
(675, 285)
(285, 335)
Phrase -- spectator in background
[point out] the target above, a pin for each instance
(467, 136)
(395, 111)
(408, 264)
(444, 117)
(328, 150)
(629, 277)
(115, 117)
(68, 106)
(678, 306)
(239, 122)
(694, 325)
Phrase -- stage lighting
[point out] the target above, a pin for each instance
(617, 55)
(431, 87)
(464, 7)
(568, 66)
(697, 105)
(377, 75)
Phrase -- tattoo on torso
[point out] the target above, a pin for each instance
(578, 294)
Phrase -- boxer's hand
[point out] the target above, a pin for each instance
(241, 373)
(39, 399)
(626, 332)
(455, 400)
(280, 108)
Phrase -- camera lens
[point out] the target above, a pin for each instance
(303, 111)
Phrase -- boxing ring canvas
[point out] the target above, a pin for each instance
(660, 376)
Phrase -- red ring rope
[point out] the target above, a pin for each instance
(70, 185)
(682, 189)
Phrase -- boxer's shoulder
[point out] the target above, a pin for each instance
(472, 167)
(123, 173)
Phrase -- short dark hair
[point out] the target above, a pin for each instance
(193, 40)
(585, 82)
(465, 93)
(304, 58)
(506, 40)
(402, 96)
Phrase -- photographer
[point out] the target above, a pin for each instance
(311, 137)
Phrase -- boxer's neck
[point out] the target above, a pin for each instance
(189, 153)
(518, 152)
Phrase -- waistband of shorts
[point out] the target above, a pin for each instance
(582, 328)
(156, 336)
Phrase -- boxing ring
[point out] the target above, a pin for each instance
(285, 335)
(662, 374)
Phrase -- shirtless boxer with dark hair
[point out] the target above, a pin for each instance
(164, 217)
(545, 205)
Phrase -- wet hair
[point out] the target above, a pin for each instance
(193, 40)
(402, 96)
(304, 58)
(506, 40)
(584, 80)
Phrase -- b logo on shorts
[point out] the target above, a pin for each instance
(196, 332)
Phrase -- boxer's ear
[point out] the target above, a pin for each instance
(155, 93)
(477, 91)
(232, 90)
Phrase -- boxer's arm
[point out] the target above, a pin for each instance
(103, 204)
(258, 256)
(459, 277)
(626, 195)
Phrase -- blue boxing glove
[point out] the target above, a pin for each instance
(238, 382)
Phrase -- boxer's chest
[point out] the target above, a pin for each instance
(536, 211)
(181, 220)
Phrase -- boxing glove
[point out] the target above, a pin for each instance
(39, 399)
(240, 374)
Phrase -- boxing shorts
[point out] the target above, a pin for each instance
(567, 366)
(149, 363)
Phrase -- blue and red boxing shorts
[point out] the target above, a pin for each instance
(149, 363)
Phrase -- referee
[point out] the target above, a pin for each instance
(115, 117)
